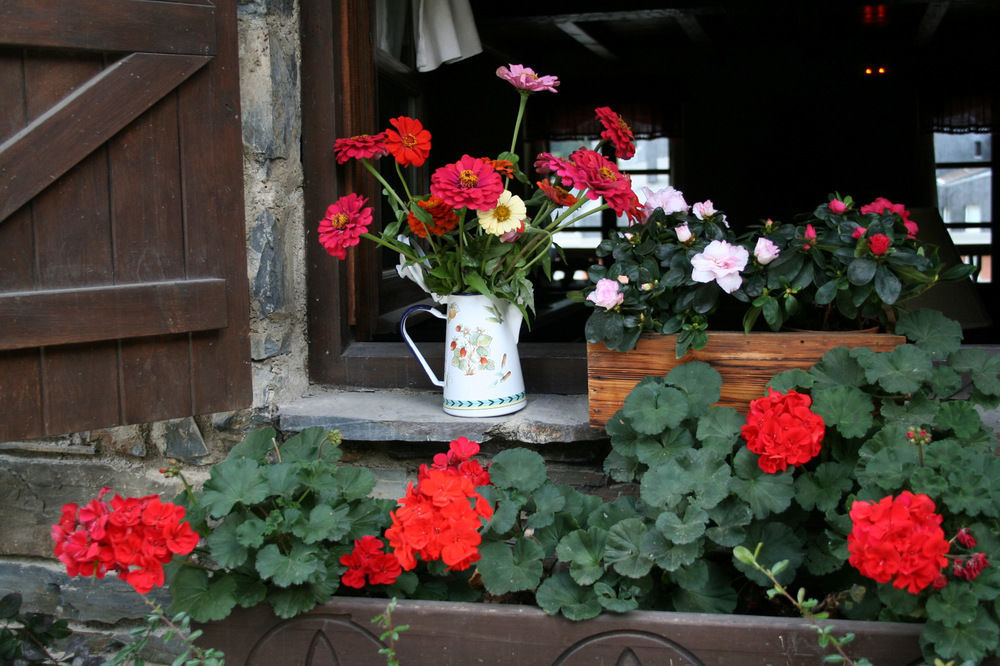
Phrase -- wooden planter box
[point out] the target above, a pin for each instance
(440, 633)
(746, 361)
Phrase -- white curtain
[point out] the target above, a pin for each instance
(445, 32)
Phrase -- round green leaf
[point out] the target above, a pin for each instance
(652, 408)
(520, 469)
(561, 593)
(861, 271)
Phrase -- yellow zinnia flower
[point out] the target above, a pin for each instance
(508, 215)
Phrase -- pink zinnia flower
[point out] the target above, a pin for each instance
(525, 78)
(569, 174)
(344, 223)
(363, 146)
(617, 131)
(468, 183)
(721, 262)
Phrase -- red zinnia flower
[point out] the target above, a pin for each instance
(898, 539)
(617, 131)
(363, 146)
(409, 142)
(468, 183)
(443, 218)
(782, 430)
(879, 244)
(345, 221)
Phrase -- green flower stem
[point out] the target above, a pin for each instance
(402, 179)
(388, 188)
(392, 244)
(520, 116)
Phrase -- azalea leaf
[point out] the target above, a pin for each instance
(765, 493)
(651, 407)
(846, 408)
(932, 331)
(861, 271)
(584, 550)
(887, 285)
(624, 548)
(505, 569)
(233, 481)
(204, 599)
(700, 381)
(970, 641)
(519, 468)
(285, 570)
(560, 593)
(903, 370)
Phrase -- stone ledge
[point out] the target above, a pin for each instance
(416, 416)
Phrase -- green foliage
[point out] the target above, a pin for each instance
(276, 516)
(29, 638)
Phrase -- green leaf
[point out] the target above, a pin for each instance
(664, 486)
(668, 556)
(548, 500)
(824, 487)
(970, 641)
(861, 271)
(282, 479)
(285, 570)
(323, 522)
(889, 467)
(846, 408)
(204, 599)
(651, 407)
(520, 469)
(887, 285)
(795, 378)
(505, 569)
(765, 493)
(610, 513)
(254, 446)
(683, 530)
(249, 590)
(838, 367)
(355, 482)
(700, 381)
(954, 605)
(233, 481)
(715, 595)
(288, 602)
(960, 417)
(903, 370)
(624, 548)
(932, 331)
(224, 545)
(779, 543)
(719, 429)
(309, 445)
(561, 593)
(584, 550)
(621, 468)
(730, 518)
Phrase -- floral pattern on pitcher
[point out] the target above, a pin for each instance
(470, 350)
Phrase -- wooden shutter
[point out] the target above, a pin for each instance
(123, 288)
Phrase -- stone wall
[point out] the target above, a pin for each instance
(38, 477)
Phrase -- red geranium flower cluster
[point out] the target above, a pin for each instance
(440, 516)
(898, 539)
(131, 536)
(782, 430)
(367, 563)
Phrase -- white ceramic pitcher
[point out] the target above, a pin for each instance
(482, 371)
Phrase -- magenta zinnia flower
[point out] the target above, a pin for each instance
(345, 221)
(468, 183)
(568, 173)
(617, 131)
(524, 78)
(363, 146)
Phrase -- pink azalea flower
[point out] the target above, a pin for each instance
(606, 294)
(721, 262)
(669, 199)
(837, 207)
(809, 236)
(911, 228)
(858, 232)
(765, 251)
(525, 78)
(468, 183)
(704, 209)
(345, 221)
(683, 233)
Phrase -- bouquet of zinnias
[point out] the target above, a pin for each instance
(485, 225)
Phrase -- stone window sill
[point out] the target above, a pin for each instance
(416, 416)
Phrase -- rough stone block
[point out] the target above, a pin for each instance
(182, 439)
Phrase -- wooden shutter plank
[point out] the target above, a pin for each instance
(80, 387)
(20, 394)
(149, 246)
(65, 316)
(109, 25)
(52, 143)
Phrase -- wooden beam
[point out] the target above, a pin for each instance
(54, 142)
(109, 25)
(584, 39)
(67, 316)
(932, 18)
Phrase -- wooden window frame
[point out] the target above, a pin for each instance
(338, 99)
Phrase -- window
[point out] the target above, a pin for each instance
(964, 172)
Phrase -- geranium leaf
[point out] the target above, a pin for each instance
(323, 522)
(796, 378)
(282, 479)
(971, 492)
(889, 467)
(765, 493)
(621, 468)
(730, 518)
(354, 482)
(254, 446)
(838, 367)
(945, 381)
(714, 595)
(620, 599)
(560, 593)
(665, 485)
(505, 569)
(823, 487)
(779, 543)
(846, 408)
(931, 331)
(683, 530)
(960, 417)
(719, 429)
(669, 556)
(224, 545)
(250, 532)
(624, 548)
(954, 605)
(285, 570)
(700, 381)
(287, 602)
(820, 556)
(970, 641)
(519, 468)
(984, 367)
(248, 591)
(584, 550)
(610, 513)
(652, 408)
(309, 445)
(548, 500)
(505, 513)
(903, 370)
(204, 599)
(232, 481)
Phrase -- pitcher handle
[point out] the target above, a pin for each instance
(413, 347)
